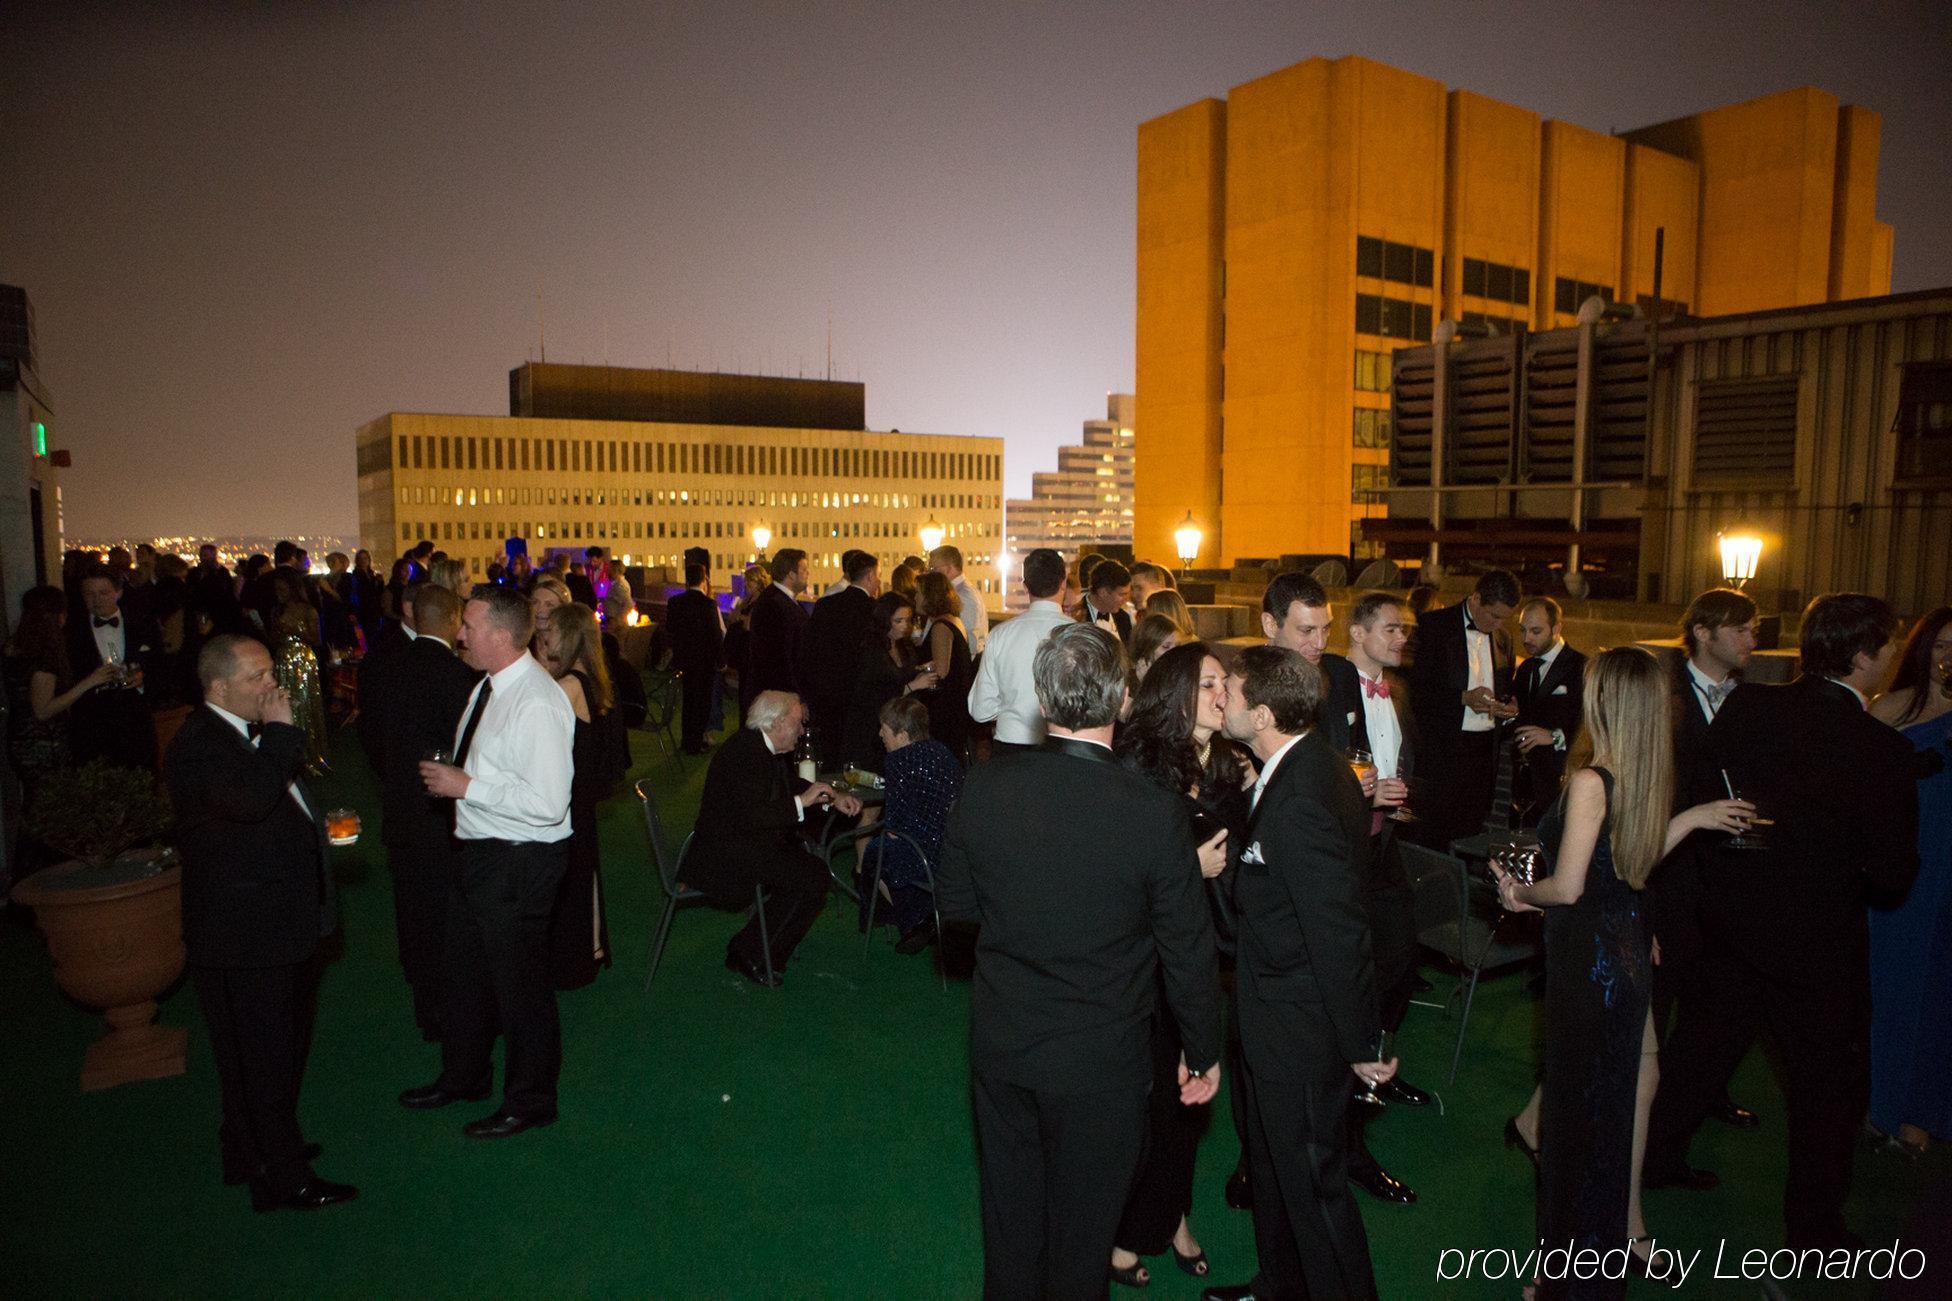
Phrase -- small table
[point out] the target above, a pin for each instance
(870, 796)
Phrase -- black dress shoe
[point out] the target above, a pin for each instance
(1731, 1112)
(236, 1172)
(1381, 1184)
(752, 969)
(1238, 1292)
(1240, 1193)
(309, 1196)
(1407, 1094)
(504, 1124)
(429, 1096)
(1681, 1176)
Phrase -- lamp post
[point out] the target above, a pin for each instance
(931, 535)
(1740, 554)
(762, 537)
(1186, 539)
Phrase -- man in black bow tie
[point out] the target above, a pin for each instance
(1551, 685)
(112, 722)
(1104, 602)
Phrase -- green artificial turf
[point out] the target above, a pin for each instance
(716, 1139)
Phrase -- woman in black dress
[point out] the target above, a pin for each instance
(1173, 735)
(887, 670)
(945, 648)
(1603, 839)
(570, 647)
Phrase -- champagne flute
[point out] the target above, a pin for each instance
(1380, 1049)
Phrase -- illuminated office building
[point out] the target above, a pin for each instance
(646, 463)
(1087, 499)
(1295, 234)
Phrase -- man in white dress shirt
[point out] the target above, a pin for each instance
(947, 561)
(1005, 690)
(510, 783)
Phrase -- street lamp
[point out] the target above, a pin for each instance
(1187, 539)
(762, 537)
(931, 535)
(1740, 553)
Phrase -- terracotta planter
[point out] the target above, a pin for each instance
(117, 947)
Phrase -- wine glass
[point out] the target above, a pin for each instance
(1381, 1045)
(118, 670)
(1403, 812)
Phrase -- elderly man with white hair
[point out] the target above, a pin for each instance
(749, 832)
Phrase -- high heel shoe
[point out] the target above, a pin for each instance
(1194, 1264)
(1514, 1137)
(1133, 1275)
(1641, 1266)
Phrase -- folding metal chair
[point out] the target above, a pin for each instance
(670, 880)
(1459, 916)
(664, 697)
(873, 886)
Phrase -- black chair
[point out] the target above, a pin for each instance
(873, 886)
(664, 699)
(1458, 916)
(676, 892)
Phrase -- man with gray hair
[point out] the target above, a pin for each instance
(1084, 880)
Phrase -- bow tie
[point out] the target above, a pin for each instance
(1377, 689)
(113, 621)
(1719, 691)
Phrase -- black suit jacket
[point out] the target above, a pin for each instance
(836, 636)
(1555, 701)
(774, 645)
(113, 723)
(1085, 881)
(1674, 891)
(1120, 620)
(1441, 674)
(1839, 785)
(1342, 705)
(581, 590)
(691, 625)
(420, 696)
(256, 892)
(1304, 936)
(745, 816)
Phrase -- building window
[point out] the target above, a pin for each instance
(1745, 430)
(1498, 282)
(1371, 428)
(1364, 480)
(1924, 423)
(1567, 295)
(1406, 264)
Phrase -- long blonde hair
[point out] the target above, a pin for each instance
(579, 645)
(1627, 732)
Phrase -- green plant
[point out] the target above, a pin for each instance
(98, 811)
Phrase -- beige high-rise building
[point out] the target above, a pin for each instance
(1087, 499)
(730, 454)
(1294, 235)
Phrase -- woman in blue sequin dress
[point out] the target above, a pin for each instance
(923, 781)
(1602, 840)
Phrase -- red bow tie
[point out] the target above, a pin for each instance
(1378, 689)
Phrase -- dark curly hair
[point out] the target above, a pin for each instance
(1157, 738)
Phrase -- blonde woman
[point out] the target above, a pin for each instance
(570, 646)
(1170, 603)
(451, 574)
(1603, 839)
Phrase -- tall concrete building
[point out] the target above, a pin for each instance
(1087, 499)
(646, 463)
(1295, 234)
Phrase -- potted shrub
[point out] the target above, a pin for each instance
(112, 914)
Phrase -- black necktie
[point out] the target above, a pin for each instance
(474, 721)
(113, 621)
(1534, 676)
(254, 730)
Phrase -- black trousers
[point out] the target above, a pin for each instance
(260, 1025)
(796, 886)
(422, 868)
(696, 687)
(1308, 1234)
(1009, 747)
(1453, 788)
(1821, 1022)
(498, 973)
(1055, 1171)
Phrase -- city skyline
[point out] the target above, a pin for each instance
(235, 262)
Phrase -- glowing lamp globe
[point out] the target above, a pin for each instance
(931, 535)
(1187, 538)
(1741, 552)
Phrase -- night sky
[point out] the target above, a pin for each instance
(247, 229)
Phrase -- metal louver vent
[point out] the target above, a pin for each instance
(1745, 429)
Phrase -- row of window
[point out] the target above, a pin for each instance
(1392, 318)
(1404, 263)
(546, 496)
(1372, 428)
(1496, 281)
(607, 530)
(1567, 295)
(590, 455)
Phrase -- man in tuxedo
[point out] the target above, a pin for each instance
(750, 831)
(581, 582)
(1084, 882)
(112, 722)
(1296, 616)
(1785, 942)
(1306, 983)
(257, 898)
(837, 634)
(775, 644)
(418, 696)
(696, 632)
(1718, 634)
(1460, 686)
(1106, 593)
(1551, 685)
